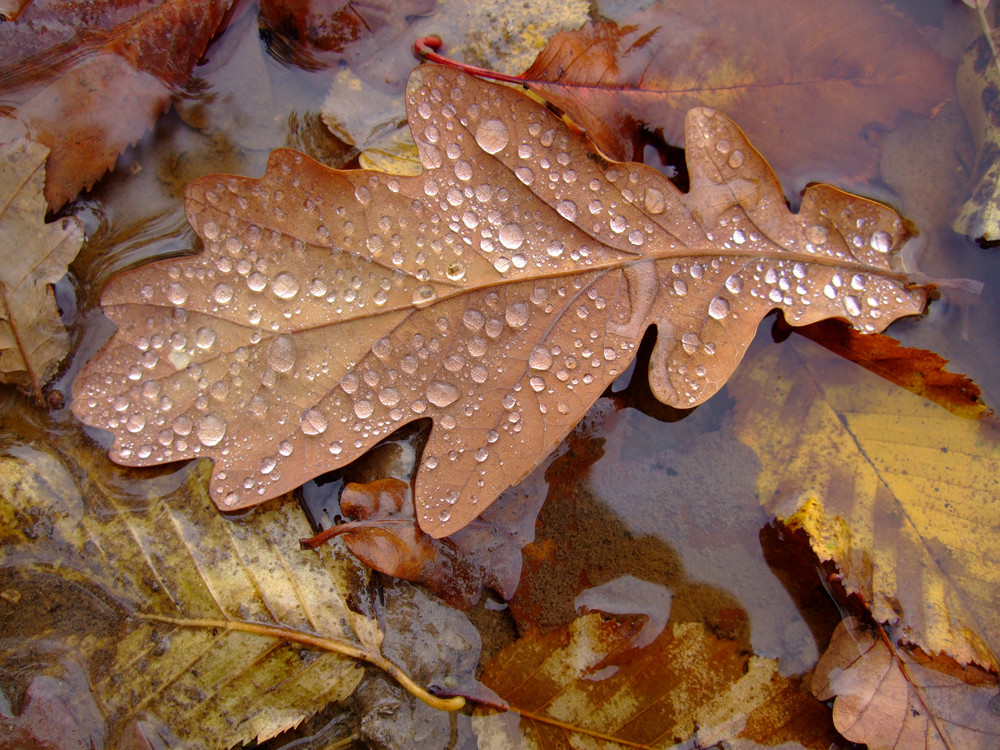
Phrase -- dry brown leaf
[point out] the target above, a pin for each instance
(589, 681)
(499, 293)
(88, 93)
(890, 699)
(810, 90)
(33, 256)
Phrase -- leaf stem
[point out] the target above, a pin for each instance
(426, 47)
(321, 643)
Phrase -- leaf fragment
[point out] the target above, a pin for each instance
(33, 256)
(890, 699)
(499, 299)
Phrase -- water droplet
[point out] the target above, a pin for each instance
(636, 237)
(177, 294)
(517, 314)
(285, 286)
(540, 358)
(492, 135)
(222, 293)
(525, 175)
(389, 397)
(719, 308)
(799, 270)
(135, 423)
(567, 209)
(382, 348)
(724, 146)
(442, 394)
(830, 292)
(852, 305)
(511, 236)
(690, 342)
(482, 454)
(858, 282)
(204, 338)
(313, 422)
(555, 249)
(477, 346)
(881, 242)
(336, 448)
(654, 201)
(618, 224)
(285, 448)
(363, 408)
(736, 159)
(424, 295)
(738, 237)
(680, 287)
(267, 464)
(211, 430)
(374, 243)
(817, 234)
(424, 110)
(734, 284)
(280, 354)
(256, 281)
(473, 320)
(455, 271)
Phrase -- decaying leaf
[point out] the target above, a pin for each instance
(898, 493)
(890, 699)
(805, 86)
(916, 370)
(221, 628)
(88, 93)
(587, 681)
(383, 533)
(498, 293)
(33, 256)
(978, 83)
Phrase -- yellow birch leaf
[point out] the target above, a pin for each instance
(897, 492)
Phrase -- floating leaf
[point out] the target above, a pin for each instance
(100, 88)
(588, 681)
(805, 86)
(33, 256)
(238, 633)
(889, 699)
(498, 293)
(899, 494)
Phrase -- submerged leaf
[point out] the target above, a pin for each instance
(498, 293)
(239, 635)
(590, 681)
(899, 494)
(892, 700)
(33, 256)
(806, 86)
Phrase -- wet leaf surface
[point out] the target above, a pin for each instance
(88, 91)
(890, 699)
(895, 491)
(33, 257)
(527, 296)
(809, 89)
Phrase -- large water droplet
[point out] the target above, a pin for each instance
(211, 429)
(463, 170)
(285, 285)
(618, 224)
(313, 422)
(734, 284)
(280, 354)
(517, 314)
(852, 305)
(881, 242)
(177, 294)
(204, 338)
(719, 308)
(363, 408)
(540, 358)
(817, 234)
(442, 394)
(525, 175)
(389, 396)
(492, 135)
(222, 293)
(567, 209)
(511, 236)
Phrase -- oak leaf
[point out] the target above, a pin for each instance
(890, 699)
(498, 293)
(33, 256)
(897, 493)
(590, 681)
(807, 87)
(89, 93)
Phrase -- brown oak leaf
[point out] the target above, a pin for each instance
(499, 293)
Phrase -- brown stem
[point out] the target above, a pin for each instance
(426, 47)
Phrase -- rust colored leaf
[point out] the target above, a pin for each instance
(890, 699)
(808, 89)
(87, 93)
(589, 680)
(498, 293)
(917, 370)
(323, 33)
(33, 256)
(386, 537)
